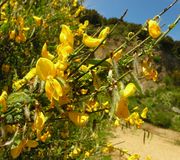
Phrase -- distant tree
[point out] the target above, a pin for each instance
(176, 48)
(167, 44)
(93, 17)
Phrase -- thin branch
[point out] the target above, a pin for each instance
(166, 9)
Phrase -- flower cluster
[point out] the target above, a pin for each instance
(61, 95)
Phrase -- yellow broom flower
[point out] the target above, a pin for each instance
(12, 34)
(103, 34)
(90, 41)
(45, 136)
(79, 10)
(53, 89)
(38, 20)
(39, 122)
(3, 98)
(79, 119)
(144, 113)
(45, 68)
(63, 50)
(66, 35)
(30, 74)
(129, 90)
(45, 53)
(154, 29)
(16, 151)
(122, 108)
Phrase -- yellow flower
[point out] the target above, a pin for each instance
(108, 149)
(144, 113)
(53, 89)
(18, 84)
(122, 108)
(66, 35)
(38, 20)
(117, 123)
(87, 154)
(148, 71)
(12, 34)
(79, 119)
(45, 53)
(20, 37)
(3, 98)
(26, 28)
(39, 122)
(129, 90)
(75, 3)
(82, 27)
(116, 57)
(154, 29)
(76, 151)
(134, 119)
(90, 41)
(103, 34)
(63, 50)
(152, 74)
(84, 91)
(16, 151)
(45, 136)
(134, 157)
(94, 42)
(30, 74)
(79, 10)
(61, 65)
(84, 68)
(92, 105)
(20, 22)
(45, 68)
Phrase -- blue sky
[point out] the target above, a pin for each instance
(138, 11)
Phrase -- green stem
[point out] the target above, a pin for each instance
(139, 45)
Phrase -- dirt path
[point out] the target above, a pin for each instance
(160, 146)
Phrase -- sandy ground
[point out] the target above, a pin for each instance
(160, 145)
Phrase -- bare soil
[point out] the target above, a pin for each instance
(162, 144)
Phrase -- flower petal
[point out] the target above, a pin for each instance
(122, 108)
(39, 122)
(45, 53)
(66, 35)
(90, 41)
(79, 119)
(154, 29)
(129, 90)
(31, 144)
(53, 89)
(45, 68)
(103, 34)
(15, 152)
